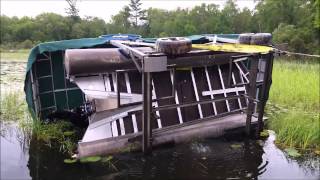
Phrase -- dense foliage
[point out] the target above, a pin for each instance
(295, 22)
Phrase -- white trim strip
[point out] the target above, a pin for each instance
(242, 81)
(134, 122)
(241, 72)
(114, 128)
(222, 91)
(156, 105)
(196, 92)
(133, 116)
(177, 100)
(210, 89)
(107, 82)
(114, 82)
(126, 78)
(122, 129)
(223, 87)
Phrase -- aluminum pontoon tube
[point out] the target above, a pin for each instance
(93, 61)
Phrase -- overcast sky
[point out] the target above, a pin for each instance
(99, 8)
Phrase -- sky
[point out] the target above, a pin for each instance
(99, 8)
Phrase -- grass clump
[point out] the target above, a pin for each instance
(296, 84)
(13, 107)
(297, 129)
(294, 107)
(60, 134)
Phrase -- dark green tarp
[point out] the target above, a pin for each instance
(52, 47)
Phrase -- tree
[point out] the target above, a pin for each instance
(72, 10)
(228, 17)
(136, 13)
(120, 22)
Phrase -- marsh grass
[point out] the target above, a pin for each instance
(12, 106)
(294, 103)
(296, 84)
(14, 55)
(61, 134)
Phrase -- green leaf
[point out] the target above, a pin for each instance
(90, 159)
(68, 133)
(235, 146)
(264, 134)
(292, 152)
(70, 161)
(106, 159)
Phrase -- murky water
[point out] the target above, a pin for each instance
(22, 158)
(201, 159)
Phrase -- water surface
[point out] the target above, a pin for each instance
(231, 157)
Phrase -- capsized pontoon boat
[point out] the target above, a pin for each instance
(141, 93)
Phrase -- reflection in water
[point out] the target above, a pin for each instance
(14, 153)
(200, 159)
(282, 166)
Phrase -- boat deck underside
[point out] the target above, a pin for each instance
(111, 129)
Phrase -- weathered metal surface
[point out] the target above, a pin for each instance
(147, 114)
(110, 60)
(174, 134)
(267, 80)
(101, 60)
(251, 91)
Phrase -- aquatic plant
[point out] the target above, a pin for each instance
(60, 133)
(236, 146)
(13, 107)
(294, 104)
(292, 152)
(90, 159)
(264, 134)
(70, 161)
(296, 84)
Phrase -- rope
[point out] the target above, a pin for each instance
(299, 54)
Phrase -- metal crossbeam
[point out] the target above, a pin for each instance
(223, 91)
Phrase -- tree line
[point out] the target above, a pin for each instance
(296, 22)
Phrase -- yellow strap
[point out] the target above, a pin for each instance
(241, 48)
